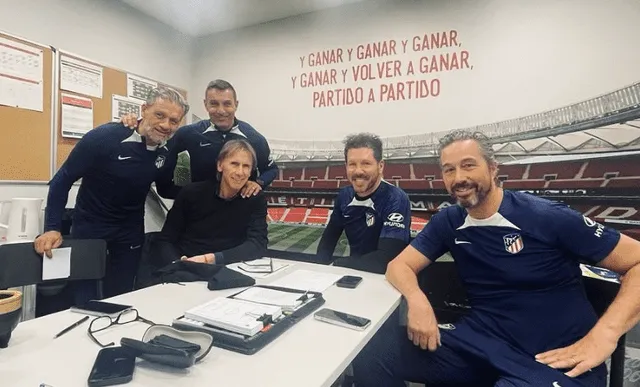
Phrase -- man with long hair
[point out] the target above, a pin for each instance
(518, 255)
(210, 222)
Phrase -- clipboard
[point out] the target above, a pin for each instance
(250, 345)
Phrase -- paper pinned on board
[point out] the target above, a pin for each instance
(138, 87)
(77, 116)
(121, 106)
(21, 75)
(80, 76)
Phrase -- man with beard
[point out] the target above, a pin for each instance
(210, 223)
(530, 323)
(117, 167)
(375, 215)
(204, 139)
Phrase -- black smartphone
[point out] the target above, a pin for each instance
(342, 319)
(349, 281)
(112, 366)
(100, 308)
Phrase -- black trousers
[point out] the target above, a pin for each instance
(122, 265)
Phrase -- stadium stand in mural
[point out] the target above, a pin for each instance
(586, 155)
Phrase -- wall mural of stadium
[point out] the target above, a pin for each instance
(586, 155)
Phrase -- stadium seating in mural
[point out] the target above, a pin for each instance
(618, 172)
(305, 195)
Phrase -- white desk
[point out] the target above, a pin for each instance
(311, 353)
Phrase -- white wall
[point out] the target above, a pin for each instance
(108, 32)
(527, 57)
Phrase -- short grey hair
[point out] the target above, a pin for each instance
(364, 140)
(167, 94)
(222, 85)
(462, 135)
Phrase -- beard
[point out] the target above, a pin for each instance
(155, 139)
(152, 137)
(469, 194)
(365, 184)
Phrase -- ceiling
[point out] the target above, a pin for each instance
(203, 17)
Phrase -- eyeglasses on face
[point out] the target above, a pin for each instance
(103, 322)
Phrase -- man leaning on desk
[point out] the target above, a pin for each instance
(210, 222)
(116, 166)
(375, 215)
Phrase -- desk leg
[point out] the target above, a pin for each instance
(616, 377)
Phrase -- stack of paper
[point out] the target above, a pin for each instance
(259, 268)
(286, 300)
(307, 280)
(234, 315)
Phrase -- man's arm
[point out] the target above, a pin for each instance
(165, 183)
(330, 235)
(605, 247)
(255, 246)
(402, 273)
(394, 237)
(81, 159)
(173, 228)
(624, 312)
(267, 167)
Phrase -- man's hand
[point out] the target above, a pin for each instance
(422, 327)
(585, 354)
(250, 189)
(130, 120)
(203, 258)
(47, 241)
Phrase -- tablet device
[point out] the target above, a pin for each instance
(100, 308)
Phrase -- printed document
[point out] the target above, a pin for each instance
(307, 280)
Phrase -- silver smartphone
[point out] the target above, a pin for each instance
(342, 319)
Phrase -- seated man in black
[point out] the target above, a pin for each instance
(210, 222)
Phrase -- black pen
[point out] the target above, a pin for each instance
(67, 329)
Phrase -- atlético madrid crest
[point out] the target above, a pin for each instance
(370, 219)
(160, 161)
(513, 243)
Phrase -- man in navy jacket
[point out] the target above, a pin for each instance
(117, 167)
(204, 139)
(374, 214)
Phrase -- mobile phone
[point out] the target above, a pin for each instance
(349, 281)
(342, 319)
(100, 308)
(112, 366)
